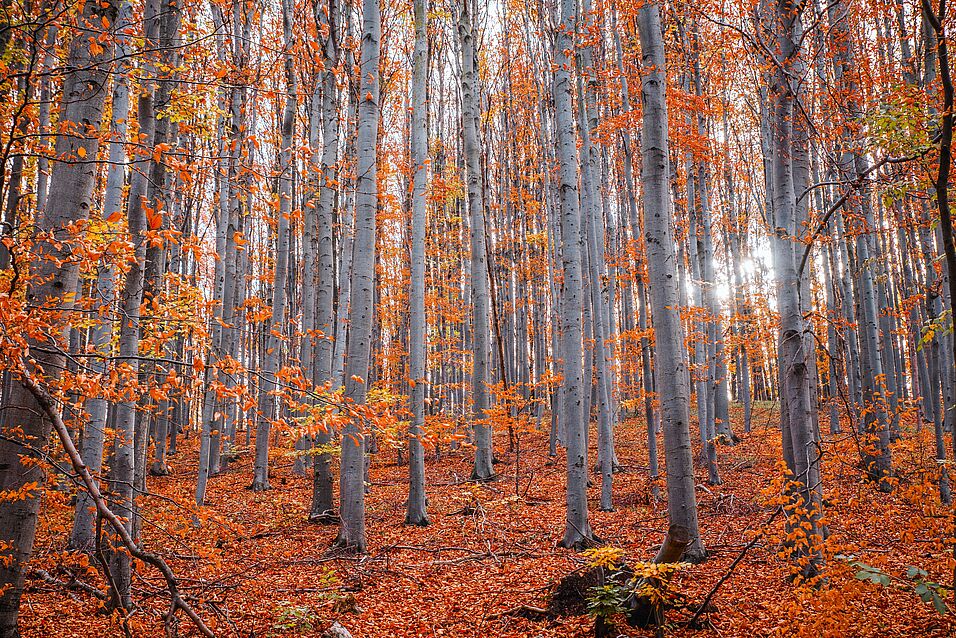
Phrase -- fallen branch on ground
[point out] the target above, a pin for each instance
(73, 584)
(730, 570)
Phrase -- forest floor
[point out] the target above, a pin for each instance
(256, 567)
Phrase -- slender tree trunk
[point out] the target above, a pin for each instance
(352, 469)
(671, 372)
(593, 221)
(577, 531)
(941, 181)
(415, 512)
(94, 434)
(322, 483)
(470, 110)
(277, 324)
(801, 450)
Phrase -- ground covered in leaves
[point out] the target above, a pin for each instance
(256, 567)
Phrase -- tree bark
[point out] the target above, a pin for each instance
(470, 110)
(415, 513)
(671, 374)
(352, 469)
(577, 531)
(276, 326)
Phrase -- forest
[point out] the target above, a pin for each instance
(374, 318)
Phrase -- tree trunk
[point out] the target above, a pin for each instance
(352, 470)
(70, 200)
(577, 531)
(277, 324)
(322, 488)
(795, 349)
(670, 371)
(94, 433)
(470, 110)
(415, 512)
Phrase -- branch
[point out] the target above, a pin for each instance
(47, 403)
(703, 606)
(853, 185)
(73, 584)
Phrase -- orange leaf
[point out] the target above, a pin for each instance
(154, 221)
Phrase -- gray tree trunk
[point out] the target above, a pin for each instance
(322, 483)
(796, 340)
(577, 531)
(226, 267)
(352, 469)
(124, 461)
(470, 110)
(593, 220)
(94, 433)
(415, 512)
(277, 324)
(852, 164)
(671, 374)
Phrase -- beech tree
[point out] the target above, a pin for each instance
(662, 271)
(55, 275)
(416, 367)
(352, 479)
(483, 469)
(270, 267)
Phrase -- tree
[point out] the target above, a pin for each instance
(797, 415)
(662, 277)
(260, 480)
(577, 532)
(54, 282)
(326, 98)
(352, 470)
(483, 469)
(82, 536)
(415, 514)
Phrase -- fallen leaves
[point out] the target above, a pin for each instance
(256, 563)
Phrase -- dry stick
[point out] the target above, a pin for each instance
(73, 584)
(46, 401)
(515, 610)
(114, 591)
(730, 570)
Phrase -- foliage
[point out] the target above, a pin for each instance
(927, 590)
(297, 619)
(644, 581)
(605, 601)
(604, 557)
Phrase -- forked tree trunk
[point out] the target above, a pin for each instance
(322, 483)
(795, 349)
